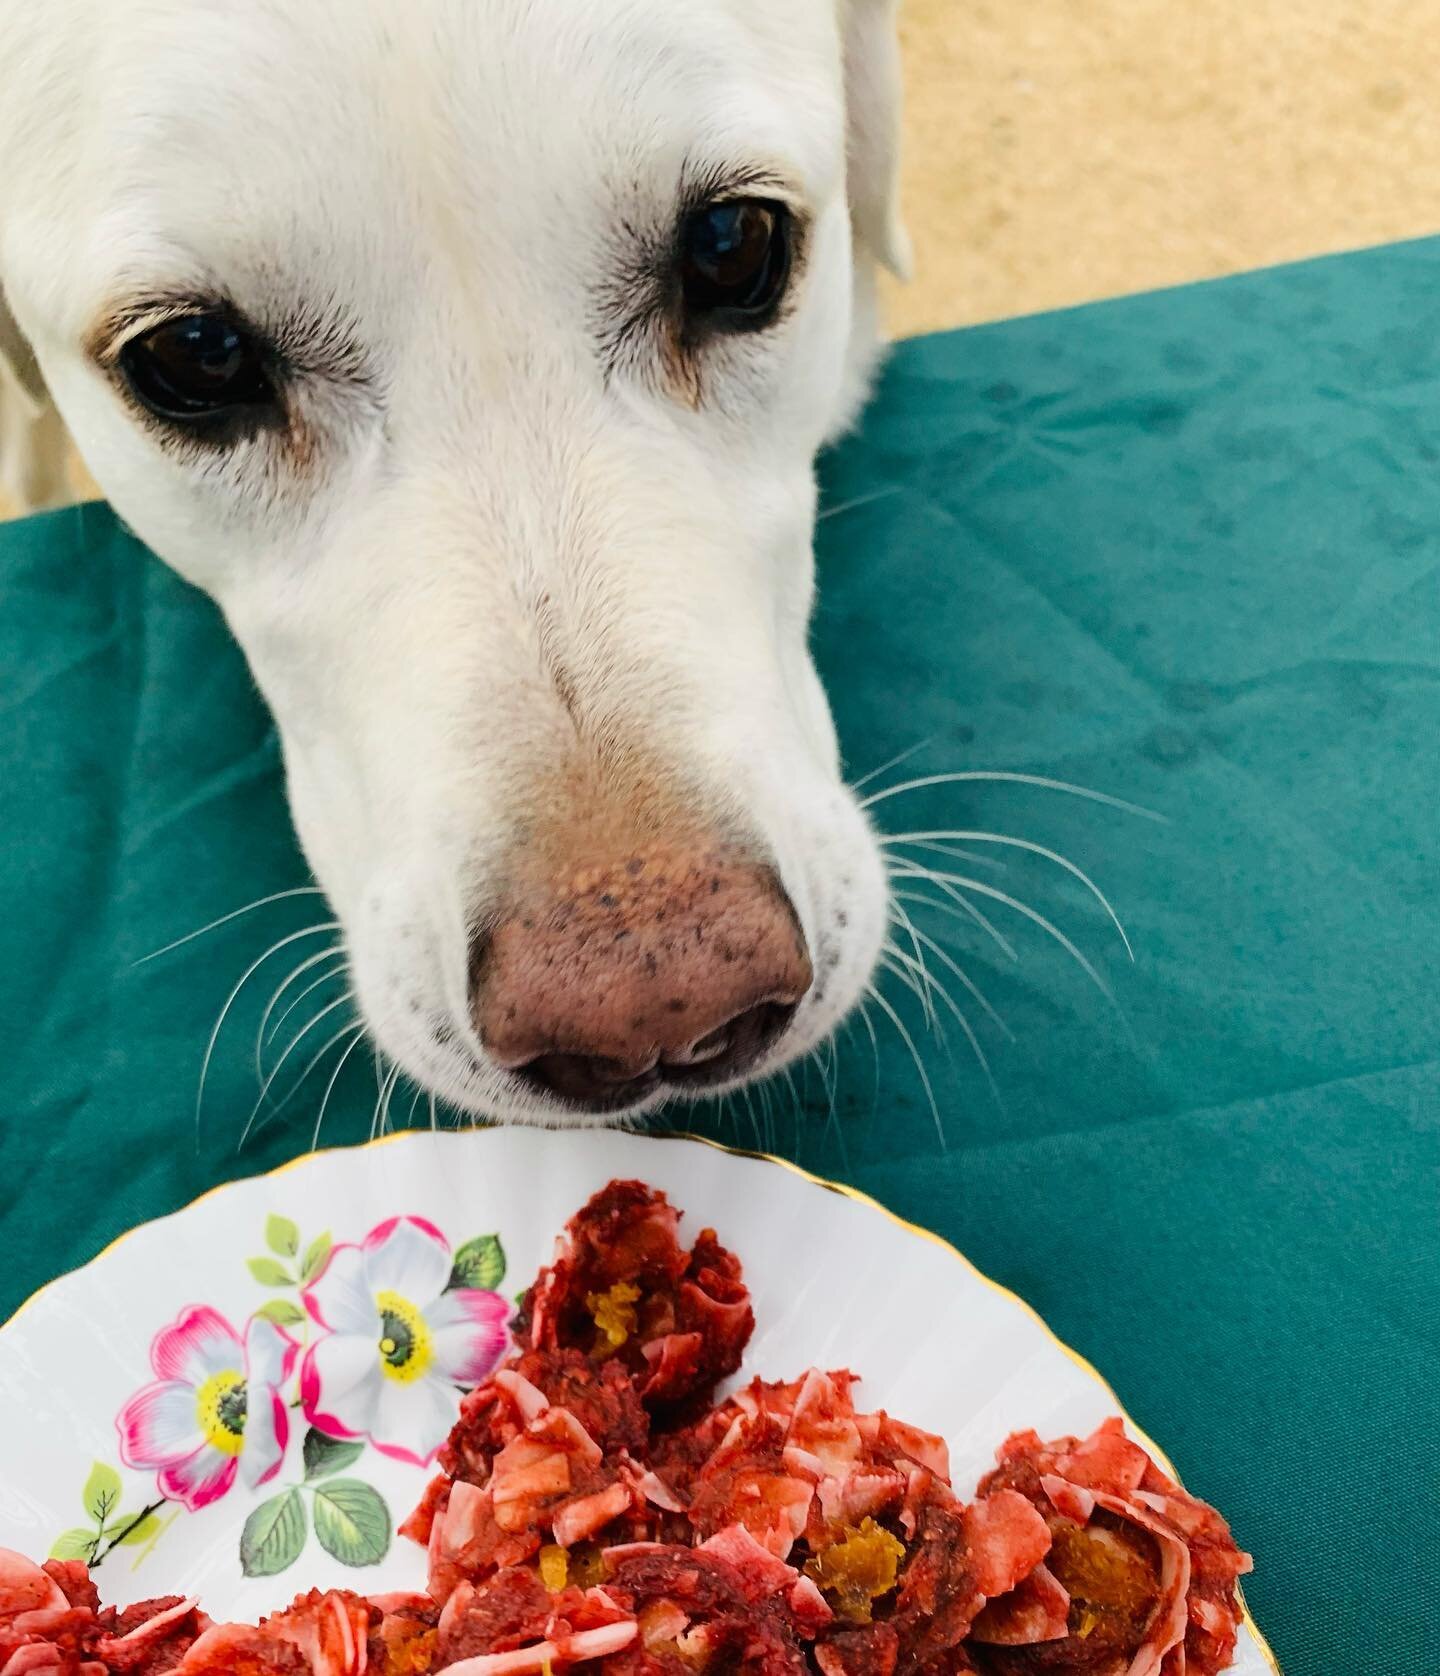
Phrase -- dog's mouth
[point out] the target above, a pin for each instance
(597, 1085)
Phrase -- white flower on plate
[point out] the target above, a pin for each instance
(400, 1342)
(214, 1412)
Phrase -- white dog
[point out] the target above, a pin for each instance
(474, 355)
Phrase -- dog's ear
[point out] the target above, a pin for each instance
(872, 99)
(32, 438)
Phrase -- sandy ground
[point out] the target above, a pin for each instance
(1063, 150)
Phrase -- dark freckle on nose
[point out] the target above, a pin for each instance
(842, 919)
(620, 936)
(652, 966)
(659, 915)
(511, 1013)
(637, 1023)
(608, 901)
(831, 962)
(529, 924)
(635, 867)
(676, 1006)
(714, 886)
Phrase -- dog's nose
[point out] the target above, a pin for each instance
(659, 968)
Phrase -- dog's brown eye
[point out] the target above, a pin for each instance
(197, 367)
(735, 259)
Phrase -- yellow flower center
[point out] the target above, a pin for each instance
(406, 1347)
(220, 1406)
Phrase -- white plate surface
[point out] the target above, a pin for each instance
(837, 1281)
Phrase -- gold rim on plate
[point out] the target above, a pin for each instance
(840, 1187)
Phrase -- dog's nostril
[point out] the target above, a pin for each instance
(594, 1083)
(598, 1084)
(731, 1049)
(701, 1052)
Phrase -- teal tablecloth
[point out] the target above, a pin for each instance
(1182, 548)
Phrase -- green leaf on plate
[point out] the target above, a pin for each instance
(282, 1236)
(352, 1522)
(74, 1545)
(101, 1494)
(141, 1531)
(273, 1535)
(270, 1273)
(282, 1312)
(316, 1257)
(479, 1264)
(327, 1455)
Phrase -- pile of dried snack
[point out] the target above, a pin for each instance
(598, 1512)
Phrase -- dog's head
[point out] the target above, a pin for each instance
(474, 358)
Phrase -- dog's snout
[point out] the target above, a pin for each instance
(666, 968)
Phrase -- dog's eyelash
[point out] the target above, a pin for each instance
(716, 184)
(635, 319)
(307, 340)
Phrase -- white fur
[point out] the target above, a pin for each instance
(455, 180)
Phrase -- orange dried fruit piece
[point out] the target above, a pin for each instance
(613, 1313)
(855, 1570)
(554, 1567)
(1111, 1570)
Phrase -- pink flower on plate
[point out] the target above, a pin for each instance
(215, 1412)
(399, 1344)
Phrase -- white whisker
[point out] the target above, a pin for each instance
(262, 1039)
(383, 1105)
(869, 1024)
(858, 501)
(830, 1072)
(359, 1030)
(1046, 926)
(336, 971)
(744, 1094)
(909, 1042)
(905, 968)
(898, 913)
(971, 987)
(894, 762)
(236, 913)
(279, 1065)
(250, 971)
(968, 776)
(796, 1103)
(767, 1109)
(827, 1078)
(1034, 849)
(993, 863)
(959, 905)
(966, 1025)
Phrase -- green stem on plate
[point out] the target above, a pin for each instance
(149, 1547)
(119, 1536)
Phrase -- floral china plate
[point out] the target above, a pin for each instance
(245, 1399)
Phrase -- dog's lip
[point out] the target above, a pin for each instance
(628, 1094)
